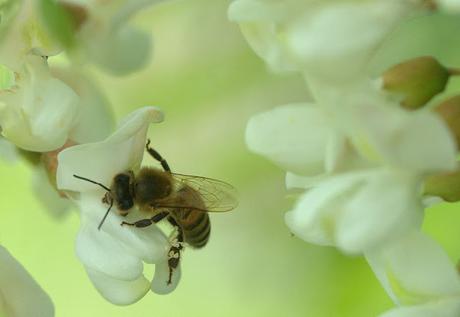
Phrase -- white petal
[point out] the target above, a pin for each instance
(336, 40)
(159, 283)
(316, 213)
(119, 292)
(100, 251)
(120, 152)
(20, 294)
(294, 136)
(94, 121)
(385, 207)
(413, 140)
(38, 116)
(415, 270)
(148, 244)
(441, 308)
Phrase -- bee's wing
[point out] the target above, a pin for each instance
(218, 196)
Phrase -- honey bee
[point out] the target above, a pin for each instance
(183, 200)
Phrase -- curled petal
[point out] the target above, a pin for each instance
(119, 292)
(384, 208)
(159, 283)
(357, 211)
(126, 145)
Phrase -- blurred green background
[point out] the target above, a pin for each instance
(208, 82)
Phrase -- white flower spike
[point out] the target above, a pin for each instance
(114, 255)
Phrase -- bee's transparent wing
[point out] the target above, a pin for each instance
(218, 196)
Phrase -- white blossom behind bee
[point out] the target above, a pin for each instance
(114, 256)
(331, 40)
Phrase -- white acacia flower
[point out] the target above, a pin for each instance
(329, 39)
(37, 110)
(419, 277)
(106, 37)
(20, 295)
(364, 194)
(114, 256)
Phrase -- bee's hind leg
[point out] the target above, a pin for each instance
(146, 222)
(174, 252)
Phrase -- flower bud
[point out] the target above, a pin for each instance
(449, 110)
(445, 185)
(418, 80)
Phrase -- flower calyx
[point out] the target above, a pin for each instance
(418, 80)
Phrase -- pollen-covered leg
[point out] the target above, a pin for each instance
(177, 244)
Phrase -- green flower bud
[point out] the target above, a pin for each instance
(449, 110)
(446, 186)
(418, 80)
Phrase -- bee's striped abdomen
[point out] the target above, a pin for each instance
(196, 227)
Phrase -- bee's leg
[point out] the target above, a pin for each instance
(147, 222)
(174, 251)
(157, 156)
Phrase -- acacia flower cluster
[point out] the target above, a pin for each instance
(367, 151)
(55, 117)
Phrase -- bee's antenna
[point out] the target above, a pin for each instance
(107, 189)
(91, 181)
(105, 216)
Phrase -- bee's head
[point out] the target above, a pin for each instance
(121, 192)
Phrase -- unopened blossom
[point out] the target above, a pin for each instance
(20, 295)
(330, 40)
(419, 277)
(114, 255)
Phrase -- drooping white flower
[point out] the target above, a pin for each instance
(114, 256)
(365, 189)
(419, 277)
(20, 295)
(332, 40)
